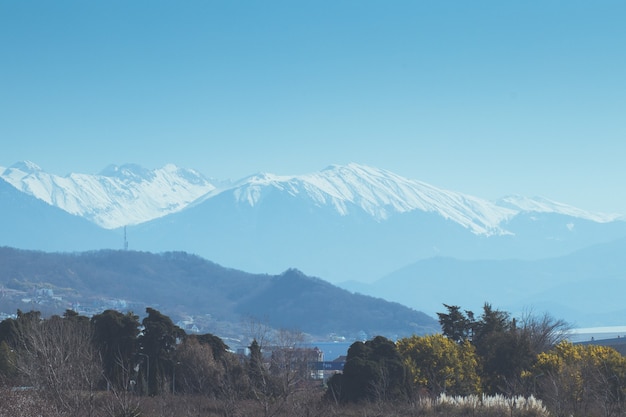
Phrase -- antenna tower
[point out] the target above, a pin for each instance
(125, 240)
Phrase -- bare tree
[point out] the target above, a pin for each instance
(289, 363)
(233, 387)
(260, 331)
(122, 399)
(278, 367)
(57, 358)
(195, 369)
(544, 331)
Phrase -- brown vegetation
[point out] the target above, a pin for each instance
(113, 366)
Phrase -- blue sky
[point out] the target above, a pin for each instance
(486, 98)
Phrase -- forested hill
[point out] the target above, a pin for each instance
(182, 285)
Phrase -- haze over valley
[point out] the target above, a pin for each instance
(359, 227)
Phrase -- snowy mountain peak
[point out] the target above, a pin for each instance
(544, 205)
(128, 172)
(26, 167)
(118, 196)
(130, 194)
(379, 193)
(382, 194)
(264, 178)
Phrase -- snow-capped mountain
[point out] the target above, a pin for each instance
(129, 194)
(544, 205)
(27, 222)
(341, 223)
(118, 196)
(382, 194)
(358, 222)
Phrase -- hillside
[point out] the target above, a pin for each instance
(183, 285)
(584, 287)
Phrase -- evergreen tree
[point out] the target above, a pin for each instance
(158, 342)
(374, 371)
(257, 373)
(504, 350)
(115, 336)
(217, 344)
(456, 325)
(13, 331)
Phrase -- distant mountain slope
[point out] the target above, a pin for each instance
(29, 223)
(522, 204)
(585, 287)
(343, 223)
(359, 223)
(118, 196)
(181, 284)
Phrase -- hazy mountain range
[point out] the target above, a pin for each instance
(193, 289)
(350, 223)
(584, 287)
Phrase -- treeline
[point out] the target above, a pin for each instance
(491, 355)
(113, 364)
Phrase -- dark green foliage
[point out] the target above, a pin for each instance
(201, 369)
(374, 371)
(126, 355)
(257, 373)
(158, 342)
(8, 331)
(505, 354)
(217, 344)
(456, 325)
(73, 316)
(12, 330)
(491, 321)
(115, 336)
(504, 348)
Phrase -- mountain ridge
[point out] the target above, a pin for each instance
(579, 287)
(184, 285)
(117, 196)
(350, 222)
(128, 194)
